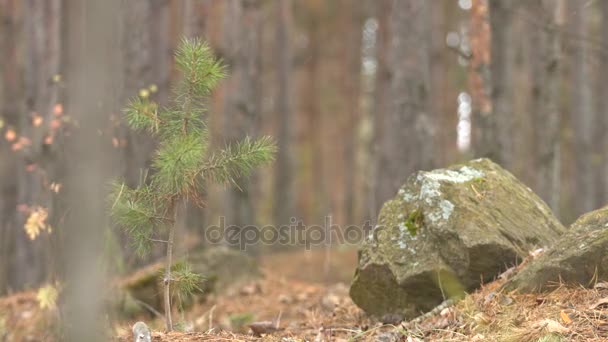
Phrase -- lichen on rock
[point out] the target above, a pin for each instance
(446, 231)
(579, 258)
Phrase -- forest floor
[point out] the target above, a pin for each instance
(306, 295)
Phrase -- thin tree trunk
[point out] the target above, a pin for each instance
(352, 30)
(284, 206)
(138, 54)
(167, 280)
(501, 75)
(407, 136)
(602, 112)
(311, 99)
(479, 80)
(582, 110)
(440, 59)
(42, 59)
(11, 93)
(381, 87)
(545, 49)
(242, 109)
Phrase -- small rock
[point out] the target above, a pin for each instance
(302, 297)
(251, 289)
(330, 301)
(285, 299)
(580, 257)
(390, 336)
(141, 332)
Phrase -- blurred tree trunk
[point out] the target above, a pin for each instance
(161, 55)
(93, 79)
(284, 192)
(11, 93)
(582, 110)
(406, 143)
(142, 37)
(602, 126)
(314, 200)
(483, 130)
(42, 59)
(443, 99)
(195, 13)
(381, 87)
(545, 55)
(501, 75)
(351, 29)
(242, 97)
(139, 73)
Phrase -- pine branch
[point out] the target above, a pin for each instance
(238, 160)
(201, 70)
(176, 160)
(142, 114)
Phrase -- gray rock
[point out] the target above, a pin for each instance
(580, 257)
(444, 233)
(220, 267)
(141, 332)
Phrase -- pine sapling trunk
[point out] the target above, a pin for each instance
(167, 280)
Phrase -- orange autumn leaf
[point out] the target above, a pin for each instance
(37, 120)
(48, 140)
(10, 135)
(58, 109)
(567, 320)
(36, 223)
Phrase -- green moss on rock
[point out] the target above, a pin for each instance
(467, 222)
(580, 257)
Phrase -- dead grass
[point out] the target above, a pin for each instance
(312, 310)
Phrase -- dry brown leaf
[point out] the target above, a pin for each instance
(602, 285)
(265, 327)
(58, 109)
(567, 320)
(10, 135)
(36, 223)
(601, 302)
(37, 120)
(48, 140)
(551, 326)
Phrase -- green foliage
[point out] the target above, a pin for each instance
(176, 163)
(201, 71)
(238, 160)
(142, 114)
(139, 212)
(186, 282)
(240, 320)
(413, 222)
(183, 162)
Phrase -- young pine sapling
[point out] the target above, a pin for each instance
(183, 161)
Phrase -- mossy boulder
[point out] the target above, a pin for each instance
(445, 233)
(580, 257)
(220, 267)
